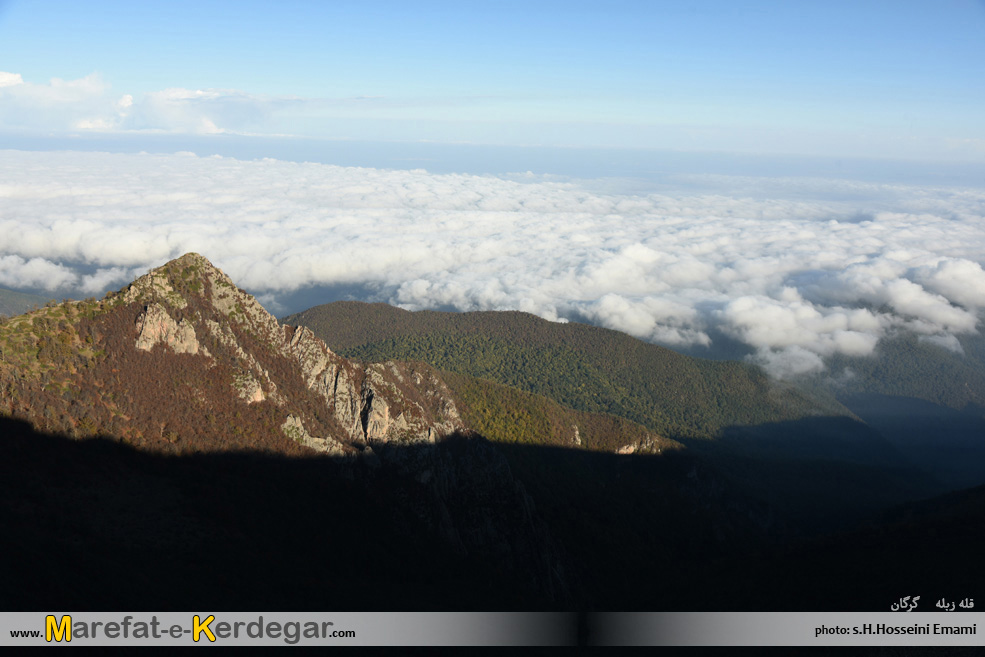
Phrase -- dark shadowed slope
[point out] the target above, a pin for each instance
(928, 401)
(97, 525)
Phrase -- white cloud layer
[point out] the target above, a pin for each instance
(793, 277)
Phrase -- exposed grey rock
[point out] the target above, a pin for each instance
(311, 354)
(155, 325)
(294, 429)
(345, 400)
(248, 389)
(376, 416)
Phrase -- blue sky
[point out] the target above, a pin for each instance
(866, 79)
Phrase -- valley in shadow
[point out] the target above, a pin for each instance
(948, 442)
(465, 524)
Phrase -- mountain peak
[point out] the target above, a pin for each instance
(192, 265)
(174, 281)
(182, 351)
(192, 258)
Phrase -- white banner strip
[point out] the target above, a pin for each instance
(279, 628)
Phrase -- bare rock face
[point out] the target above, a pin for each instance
(404, 406)
(313, 356)
(155, 325)
(378, 403)
(249, 389)
(332, 378)
(294, 429)
(191, 275)
(649, 444)
(376, 417)
(344, 398)
(237, 306)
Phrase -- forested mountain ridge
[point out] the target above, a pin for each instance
(508, 415)
(906, 366)
(584, 367)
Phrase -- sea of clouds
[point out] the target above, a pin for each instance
(795, 269)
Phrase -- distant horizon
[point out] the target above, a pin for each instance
(498, 160)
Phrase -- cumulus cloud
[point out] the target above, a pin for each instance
(57, 105)
(960, 281)
(198, 111)
(10, 79)
(795, 278)
(34, 272)
(88, 104)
